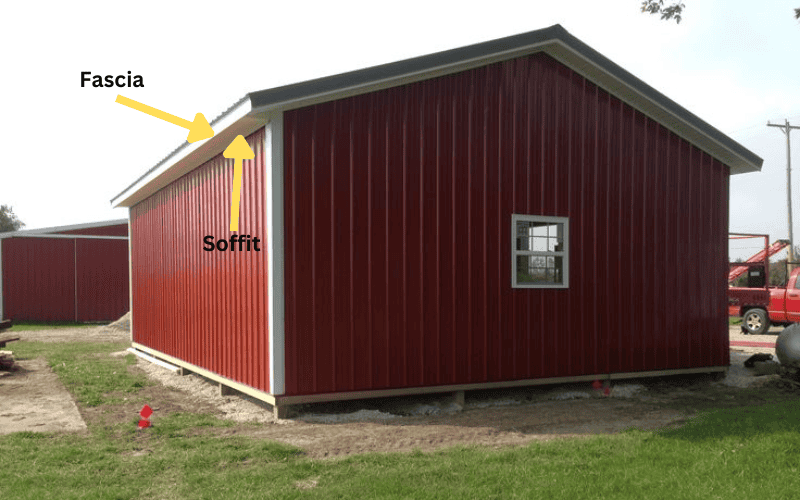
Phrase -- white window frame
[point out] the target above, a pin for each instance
(564, 254)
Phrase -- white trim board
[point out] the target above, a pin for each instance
(273, 152)
(130, 276)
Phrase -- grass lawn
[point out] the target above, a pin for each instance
(40, 325)
(748, 452)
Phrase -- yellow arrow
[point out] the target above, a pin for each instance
(199, 129)
(240, 150)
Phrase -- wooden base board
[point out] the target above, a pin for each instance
(246, 389)
(280, 404)
(342, 396)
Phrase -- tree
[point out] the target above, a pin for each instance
(675, 10)
(8, 220)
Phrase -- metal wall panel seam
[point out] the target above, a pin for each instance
(351, 243)
(130, 272)
(332, 208)
(75, 277)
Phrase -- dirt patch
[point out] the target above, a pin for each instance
(494, 427)
(80, 334)
(32, 398)
(489, 418)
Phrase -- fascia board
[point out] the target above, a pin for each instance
(187, 157)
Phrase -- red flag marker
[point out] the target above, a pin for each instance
(144, 422)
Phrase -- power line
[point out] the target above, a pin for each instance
(786, 128)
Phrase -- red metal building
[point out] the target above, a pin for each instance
(67, 273)
(516, 212)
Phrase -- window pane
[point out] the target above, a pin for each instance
(539, 269)
(539, 229)
(540, 236)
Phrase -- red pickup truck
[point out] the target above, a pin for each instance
(761, 307)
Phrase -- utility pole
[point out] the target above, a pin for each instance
(786, 128)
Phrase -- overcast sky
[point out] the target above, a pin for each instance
(68, 150)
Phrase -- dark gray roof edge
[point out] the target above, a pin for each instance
(399, 68)
(331, 84)
(179, 148)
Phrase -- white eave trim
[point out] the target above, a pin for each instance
(188, 156)
(62, 236)
(73, 227)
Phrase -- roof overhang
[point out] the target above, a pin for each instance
(253, 111)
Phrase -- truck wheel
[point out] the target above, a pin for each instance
(756, 321)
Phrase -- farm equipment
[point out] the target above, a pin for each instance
(758, 303)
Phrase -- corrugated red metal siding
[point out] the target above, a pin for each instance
(102, 278)
(116, 230)
(398, 210)
(38, 279)
(207, 308)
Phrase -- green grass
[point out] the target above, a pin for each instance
(41, 325)
(748, 452)
(723, 454)
(734, 320)
(86, 368)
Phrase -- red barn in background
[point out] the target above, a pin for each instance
(516, 212)
(67, 273)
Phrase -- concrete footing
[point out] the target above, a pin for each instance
(281, 412)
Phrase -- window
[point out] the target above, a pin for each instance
(539, 252)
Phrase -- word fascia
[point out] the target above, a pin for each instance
(243, 241)
(111, 80)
